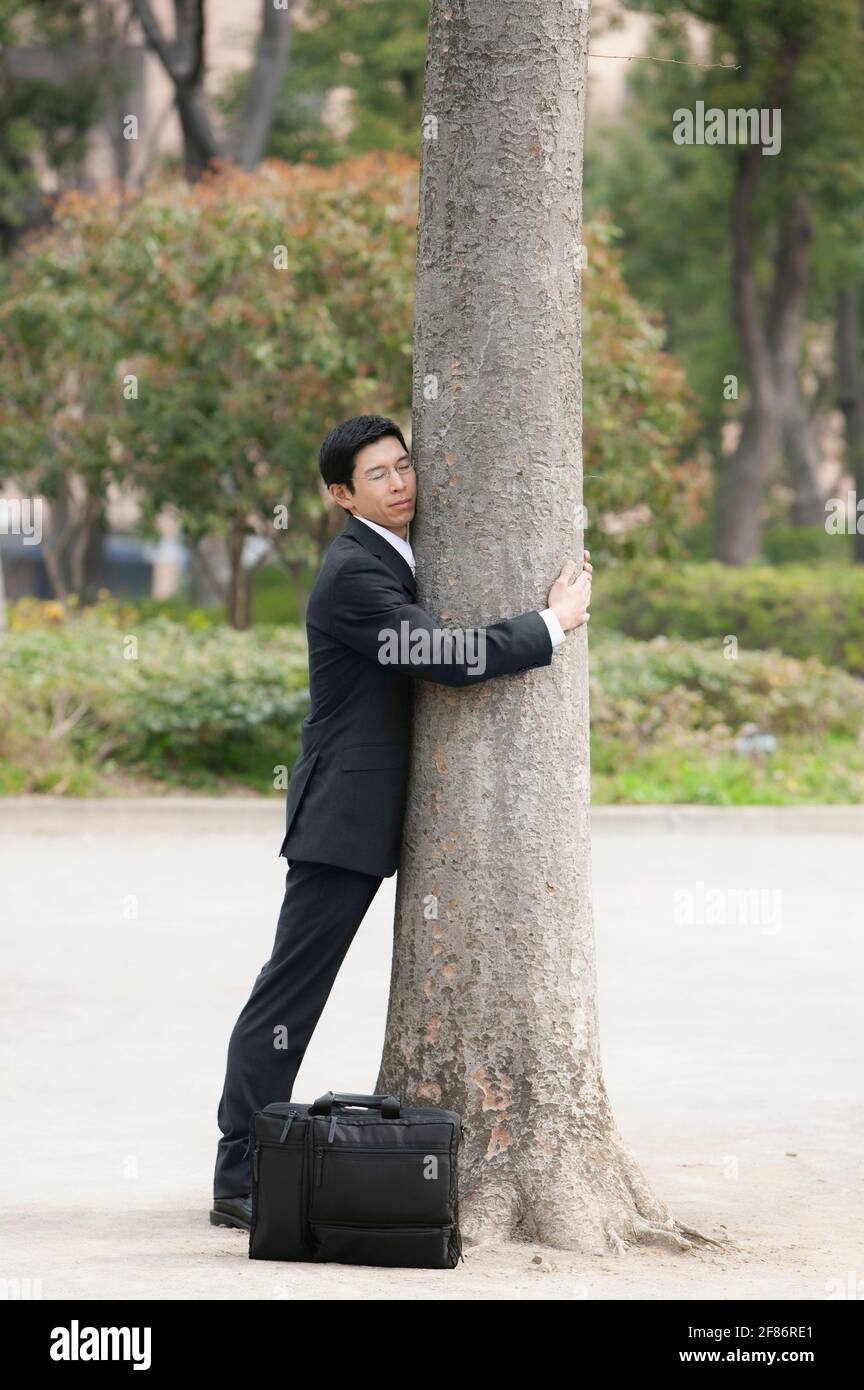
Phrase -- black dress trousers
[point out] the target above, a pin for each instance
(321, 911)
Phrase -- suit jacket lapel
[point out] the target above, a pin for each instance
(387, 553)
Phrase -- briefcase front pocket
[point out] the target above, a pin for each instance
(405, 1186)
(278, 1226)
(418, 1247)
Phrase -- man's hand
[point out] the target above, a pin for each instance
(570, 598)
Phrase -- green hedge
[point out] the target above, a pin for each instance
(797, 609)
(215, 709)
(95, 696)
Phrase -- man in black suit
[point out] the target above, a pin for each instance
(367, 637)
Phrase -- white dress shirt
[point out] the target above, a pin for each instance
(556, 631)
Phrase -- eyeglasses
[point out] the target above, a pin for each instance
(381, 473)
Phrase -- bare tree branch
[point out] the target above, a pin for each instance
(265, 84)
(183, 59)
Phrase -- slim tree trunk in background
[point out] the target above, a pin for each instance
(4, 617)
(747, 469)
(746, 472)
(493, 1004)
(850, 382)
(226, 575)
(184, 61)
(785, 329)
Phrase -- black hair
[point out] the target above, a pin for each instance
(336, 455)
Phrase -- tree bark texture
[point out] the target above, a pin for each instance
(493, 1004)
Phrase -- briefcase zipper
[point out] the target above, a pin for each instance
(319, 1166)
(292, 1116)
(394, 1229)
(349, 1151)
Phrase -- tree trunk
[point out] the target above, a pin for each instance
(850, 382)
(74, 524)
(184, 62)
(493, 1008)
(4, 617)
(239, 593)
(56, 544)
(785, 329)
(265, 87)
(746, 471)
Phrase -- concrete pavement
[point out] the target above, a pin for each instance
(729, 949)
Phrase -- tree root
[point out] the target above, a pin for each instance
(670, 1236)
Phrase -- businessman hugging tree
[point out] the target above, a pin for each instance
(493, 995)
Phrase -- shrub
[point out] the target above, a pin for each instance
(154, 696)
(797, 609)
(85, 704)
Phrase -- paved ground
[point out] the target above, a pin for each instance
(731, 1037)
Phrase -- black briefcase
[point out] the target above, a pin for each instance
(377, 1185)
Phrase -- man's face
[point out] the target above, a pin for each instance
(385, 485)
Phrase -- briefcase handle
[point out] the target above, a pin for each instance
(388, 1105)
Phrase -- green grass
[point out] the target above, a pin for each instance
(799, 773)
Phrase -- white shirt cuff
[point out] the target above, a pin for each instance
(556, 631)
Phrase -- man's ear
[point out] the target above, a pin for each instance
(336, 490)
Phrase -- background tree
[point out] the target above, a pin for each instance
(376, 52)
(59, 417)
(226, 320)
(223, 323)
(183, 58)
(850, 383)
(493, 995)
(647, 485)
(745, 228)
(53, 88)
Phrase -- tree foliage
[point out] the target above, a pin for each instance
(196, 342)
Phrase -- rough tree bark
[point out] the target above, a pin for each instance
(850, 390)
(493, 994)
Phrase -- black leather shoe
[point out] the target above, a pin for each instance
(232, 1211)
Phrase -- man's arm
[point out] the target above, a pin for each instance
(368, 612)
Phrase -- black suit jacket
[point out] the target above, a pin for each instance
(346, 796)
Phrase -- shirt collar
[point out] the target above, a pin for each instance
(403, 546)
